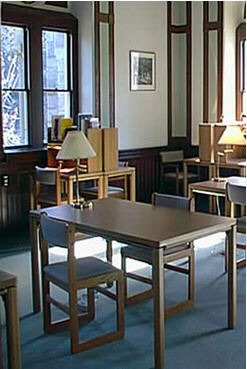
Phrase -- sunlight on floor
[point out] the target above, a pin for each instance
(98, 244)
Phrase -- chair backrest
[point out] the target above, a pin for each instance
(54, 232)
(172, 156)
(45, 196)
(236, 190)
(170, 201)
(47, 176)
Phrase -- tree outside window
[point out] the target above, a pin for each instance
(14, 87)
(56, 76)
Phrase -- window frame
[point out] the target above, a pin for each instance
(35, 20)
(240, 37)
(70, 70)
(26, 82)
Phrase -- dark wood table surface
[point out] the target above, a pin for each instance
(152, 226)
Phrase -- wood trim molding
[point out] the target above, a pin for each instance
(100, 17)
(240, 36)
(186, 29)
(207, 27)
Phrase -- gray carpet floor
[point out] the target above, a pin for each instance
(195, 339)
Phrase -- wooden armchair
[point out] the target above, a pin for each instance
(177, 253)
(48, 190)
(71, 276)
(171, 171)
(116, 191)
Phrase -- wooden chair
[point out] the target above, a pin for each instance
(8, 292)
(177, 253)
(113, 191)
(48, 190)
(171, 170)
(71, 276)
(236, 194)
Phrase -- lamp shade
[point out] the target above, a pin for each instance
(75, 146)
(232, 135)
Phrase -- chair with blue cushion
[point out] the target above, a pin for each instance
(180, 252)
(71, 276)
(113, 191)
(171, 172)
(48, 190)
(236, 194)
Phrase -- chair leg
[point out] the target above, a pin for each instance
(46, 306)
(90, 303)
(123, 267)
(120, 305)
(74, 323)
(191, 276)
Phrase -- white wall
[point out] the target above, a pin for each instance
(141, 116)
(83, 11)
(233, 16)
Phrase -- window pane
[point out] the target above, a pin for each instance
(54, 49)
(15, 121)
(55, 103)
(13, 57)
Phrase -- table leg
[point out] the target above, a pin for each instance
(192, 200)
(159, 318)
(101, 188)
(105, 186)
(1, 347)
(132, 187)
(211, 174)
(13, 329)
(232, 277)
(33, 230)
(109, 250)
(185, 175)
(70, 191)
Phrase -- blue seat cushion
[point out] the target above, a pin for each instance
(94, 190)
(87, 267)
(146, 254)
(180, 175)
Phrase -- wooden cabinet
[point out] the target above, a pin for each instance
(110, 148)
(105, 143)
(209, 135)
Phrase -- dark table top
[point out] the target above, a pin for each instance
(138, 223)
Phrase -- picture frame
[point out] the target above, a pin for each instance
(142, 71)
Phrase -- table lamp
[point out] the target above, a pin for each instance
(232, 135)
(75, 147)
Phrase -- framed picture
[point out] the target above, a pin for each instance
(142, 71)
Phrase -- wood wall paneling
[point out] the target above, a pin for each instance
(207, 27)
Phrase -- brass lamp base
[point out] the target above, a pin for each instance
(83, 205)
(219, 179)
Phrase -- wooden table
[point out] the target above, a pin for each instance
(238, 164)
(214, 188)
(210, 188)
(153, 227)
(8, 292)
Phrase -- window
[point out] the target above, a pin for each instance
(14, 86)
(39, 71)
(57, 89)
